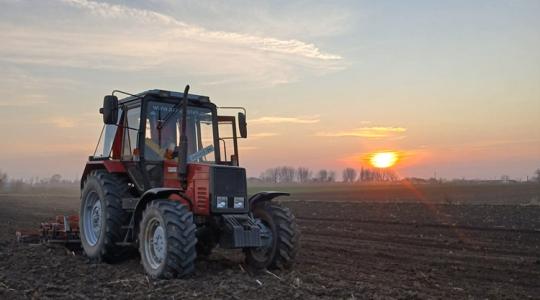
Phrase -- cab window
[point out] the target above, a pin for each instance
(132, 121)
(161, 142)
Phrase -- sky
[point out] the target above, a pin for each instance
(452, 86)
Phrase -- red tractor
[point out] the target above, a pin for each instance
(165, 178)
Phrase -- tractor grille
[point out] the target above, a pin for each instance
(228, 182)
(202, 198)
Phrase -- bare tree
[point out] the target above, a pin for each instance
(270, 175)
(56, 178)
(303, 174)
(286, 174)
(3, 179)
(331, 176)
(537, 175)
(322, 175)
(282, 174)
(349, 175)
(367, 175)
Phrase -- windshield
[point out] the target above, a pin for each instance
(161, 143)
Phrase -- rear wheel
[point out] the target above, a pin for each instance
(102, 216)
(280, 231)
(167, 240)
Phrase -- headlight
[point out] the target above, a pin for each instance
(238, 202)
(221, 202)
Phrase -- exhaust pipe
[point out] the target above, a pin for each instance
(183, 155)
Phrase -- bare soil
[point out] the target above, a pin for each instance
(350, 249)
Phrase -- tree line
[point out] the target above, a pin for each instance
(283, 174)
(16, 184)
(287, 174)
(369, 175)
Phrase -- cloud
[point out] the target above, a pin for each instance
(29, 100)
(289, 18)
(294, 47)
(247, 148)
(20, 87)
(280, 120)
(61, 122)
(367, 132)
(98, 35)
(24, 148)
(263, 134)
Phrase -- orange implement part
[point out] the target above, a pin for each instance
(64, 229)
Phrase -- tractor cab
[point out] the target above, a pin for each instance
(143, 132)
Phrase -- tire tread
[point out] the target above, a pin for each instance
(181, 252)
(113, 187)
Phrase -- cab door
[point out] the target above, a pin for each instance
(228, 145)
(131, 145)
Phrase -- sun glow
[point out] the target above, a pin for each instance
(383, 159)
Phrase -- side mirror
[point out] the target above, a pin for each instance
(110, 109)
(242, 124)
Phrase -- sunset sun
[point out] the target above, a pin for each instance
(383, 159)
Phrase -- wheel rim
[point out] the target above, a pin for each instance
(155, 243)
(92, 218)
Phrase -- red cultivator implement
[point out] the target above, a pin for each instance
(63, 230)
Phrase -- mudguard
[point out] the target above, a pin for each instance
(157, 193)
(265, 196)
(112, 166)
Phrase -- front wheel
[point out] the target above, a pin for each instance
(102, 216)
(279, 227)
(167, 240)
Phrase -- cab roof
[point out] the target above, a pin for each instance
(166, 94)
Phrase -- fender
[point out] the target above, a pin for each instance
(159, 193)
(265, 196)
(112, 166)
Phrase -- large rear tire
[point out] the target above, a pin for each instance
(102, 216)
(281, 251)
(167, 241)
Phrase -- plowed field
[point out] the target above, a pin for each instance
(349, 249)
